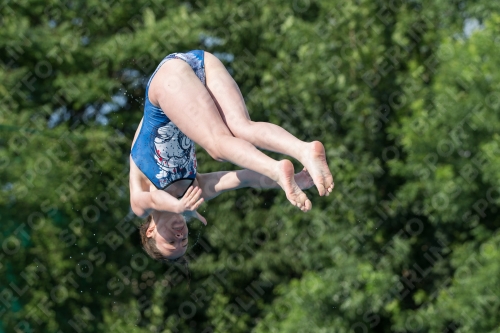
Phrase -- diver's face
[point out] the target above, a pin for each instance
(170, 232)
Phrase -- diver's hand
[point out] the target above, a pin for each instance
(191, 200)
(304, 179)
(196, 215)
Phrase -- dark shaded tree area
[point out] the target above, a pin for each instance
(405, 95)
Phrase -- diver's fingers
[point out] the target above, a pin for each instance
(197, 204)
(194, 194)
(188, 192)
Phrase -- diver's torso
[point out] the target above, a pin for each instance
(176, 188)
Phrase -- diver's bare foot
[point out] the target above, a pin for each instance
(315, 162)
(287, 182)
(304, 180)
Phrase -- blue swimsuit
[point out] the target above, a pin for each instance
(162, 152)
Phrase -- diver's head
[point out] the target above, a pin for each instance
(164, 236)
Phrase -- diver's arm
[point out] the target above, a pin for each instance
(143, 203)
(215, 183)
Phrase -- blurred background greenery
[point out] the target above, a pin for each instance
(405, 95)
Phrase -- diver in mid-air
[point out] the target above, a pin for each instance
(191, 98)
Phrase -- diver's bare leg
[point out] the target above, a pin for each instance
(231, 105)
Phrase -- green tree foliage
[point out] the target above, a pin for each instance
(404, 95)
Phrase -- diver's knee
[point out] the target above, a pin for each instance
(216, 148)
(216, 155)
(243, 129)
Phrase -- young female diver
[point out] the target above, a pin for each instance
(191, 97)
